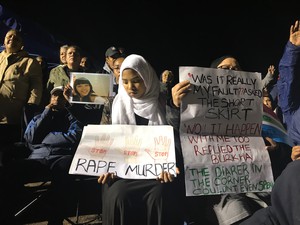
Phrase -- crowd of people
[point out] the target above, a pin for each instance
(35, 110)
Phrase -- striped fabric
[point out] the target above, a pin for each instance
(273, 128)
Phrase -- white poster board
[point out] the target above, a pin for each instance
(220, 132)
(130, 151)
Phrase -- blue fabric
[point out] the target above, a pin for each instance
(53, 134)
(288, 89)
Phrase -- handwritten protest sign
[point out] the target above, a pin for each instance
(130, 151)
(222, 164)
(220, 132)
(222, 102)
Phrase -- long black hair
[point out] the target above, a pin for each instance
(87, 98)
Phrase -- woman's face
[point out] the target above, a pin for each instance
(133, 83)
(83, 89)
(229, 64)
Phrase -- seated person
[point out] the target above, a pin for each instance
(139, 201)
(52, 137)
(227, 208)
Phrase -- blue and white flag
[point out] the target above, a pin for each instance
(273, 128)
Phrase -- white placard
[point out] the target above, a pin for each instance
(130, 151)
(220, 133)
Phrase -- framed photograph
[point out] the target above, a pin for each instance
(90, 88)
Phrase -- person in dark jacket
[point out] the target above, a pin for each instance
(285, 196)
(288, 84)
(52, 138)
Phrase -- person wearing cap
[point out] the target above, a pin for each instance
(21, 90)
(55, 127)
(51, 138)
(111, 54)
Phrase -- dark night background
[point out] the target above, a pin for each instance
(170, 34)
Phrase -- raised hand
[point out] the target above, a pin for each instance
(295, 33)
(271, 69)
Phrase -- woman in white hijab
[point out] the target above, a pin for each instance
(139, 201)
(138, 93)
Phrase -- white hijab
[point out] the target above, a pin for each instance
(148, 106)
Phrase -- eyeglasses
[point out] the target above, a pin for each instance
(228, 67)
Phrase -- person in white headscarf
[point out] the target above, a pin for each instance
(138, 93)
(139, 201)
